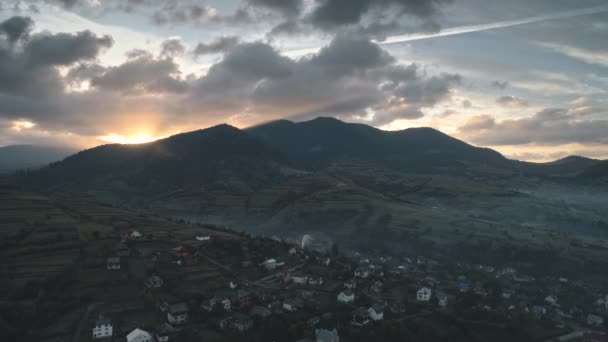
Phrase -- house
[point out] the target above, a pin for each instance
(595, 320)
(139, 335)
(260, 312)
(442, 300)
(165, 332)
(153, 282)
(238, 322)
(463, 285)
(360, 317)
(103, 328)
(222, 300)
(315, 281)
(180, 252)
(324, 335)
(346, 296)
(551, 300)
(270, 264)
(539, 310)
(122, 250)
(376, 312)
(113, 263)
(300, 280)
(177, 313)
(424, 294)
(243, 297)
(362, 272)
(203, 238)
(132, 235)
(292, 305)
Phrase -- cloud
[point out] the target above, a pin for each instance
(467, 104)
(142, 74)
(347, 78)
(220, 45)
(594, 57)
(511, 102)
(549, 126)
(285, 7)
(16, 27)
(190, 12)
(502, 85)
(350, 78)
(173, 47)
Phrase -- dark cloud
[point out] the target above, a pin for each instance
(511, 102)
(502, 85)
(385, 15)
(549, 126)
(347, 78)
(467, 104)
(350, 78)
(63, 49)
(172, 47)
(220, 45)
(285, 7)
(142, 74)
(16, 27)
(175, 13)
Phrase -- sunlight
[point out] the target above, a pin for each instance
(131, 139)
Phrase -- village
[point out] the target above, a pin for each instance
(230, 287)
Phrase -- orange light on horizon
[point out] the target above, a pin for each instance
(128, 139)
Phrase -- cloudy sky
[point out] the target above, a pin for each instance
(528, 78)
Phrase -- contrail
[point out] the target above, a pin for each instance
(501, 24)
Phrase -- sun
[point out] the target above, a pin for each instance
(128, 139)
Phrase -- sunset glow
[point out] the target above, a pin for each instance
(131, 139)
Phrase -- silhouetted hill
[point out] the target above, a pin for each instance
(189, 159)
(19, 157)
(323, 141)
(565, 167)
(599, 171)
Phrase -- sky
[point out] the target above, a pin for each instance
(528, 78)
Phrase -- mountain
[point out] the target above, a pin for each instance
(19, 157)
(566, 167)
(188, 160)
(598, 171)
(323, 141)
(347, 181)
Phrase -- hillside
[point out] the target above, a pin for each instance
(346, 181)
(597, 172)
(188, 160)
(20, 157)
(324, 141)
(565, 167)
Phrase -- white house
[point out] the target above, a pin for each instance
(300, 280)
(324, 335)
(177, 313)
(442, 300)
(346, 296)
(424, 294)
(551, 300)
(291, 305)
(113, 263)
(154, 282)
(139, 335)
(595, 320)
(376, 312)
(103, 328)
(164, 332)
(362, 272)
(270, 264)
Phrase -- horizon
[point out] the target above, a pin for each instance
(528, 80)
